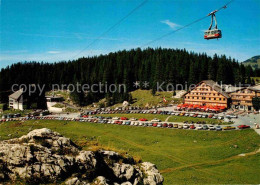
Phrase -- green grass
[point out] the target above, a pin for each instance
(145, 98)
(11, 111)
(59, 105)
(1, 106)
(164, 117)
(256, 79)
(182, 156)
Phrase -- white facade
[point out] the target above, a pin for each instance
(16, 104)
(16, 100)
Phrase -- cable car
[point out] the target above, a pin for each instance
(213, 33)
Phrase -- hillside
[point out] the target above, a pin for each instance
(156, 67)
(254, 62)
(182, 156)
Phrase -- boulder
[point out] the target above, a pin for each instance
(43, 156)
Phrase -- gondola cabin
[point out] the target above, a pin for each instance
(212, 34)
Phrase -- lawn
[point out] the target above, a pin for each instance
(164, 117)
(182, 156)
(22, 112)
(145, 98)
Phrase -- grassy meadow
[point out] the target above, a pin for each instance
(182, 156)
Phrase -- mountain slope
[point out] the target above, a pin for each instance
(254, 62)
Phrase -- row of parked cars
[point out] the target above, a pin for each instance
(132, 122)
(187, 114)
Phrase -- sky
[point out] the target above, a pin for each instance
(58, 30)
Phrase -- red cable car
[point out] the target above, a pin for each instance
(213, 33)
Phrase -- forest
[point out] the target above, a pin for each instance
(175, 66)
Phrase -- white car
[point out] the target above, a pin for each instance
(136, 124)
(199, 116)
(140, 124)
(115, 118)
(155, 120)
(186, 126)
(220, 117)
(199, 127)
(132, 123)
(133, 119)
(211, 127)
(159, 125)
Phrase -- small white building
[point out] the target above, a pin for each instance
(53, 100)
(16, 100)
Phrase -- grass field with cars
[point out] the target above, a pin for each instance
(182, 156)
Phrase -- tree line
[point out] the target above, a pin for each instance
(175, 66)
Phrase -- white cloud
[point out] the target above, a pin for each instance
(172, 25)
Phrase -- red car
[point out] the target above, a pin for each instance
(155, 124)
(165, 125)
(243, 126)
(124, 118)
(143, 119)
(192, 127)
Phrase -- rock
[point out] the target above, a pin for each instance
(153, 176)
(123, 171)
(100, 180)
(46, 156)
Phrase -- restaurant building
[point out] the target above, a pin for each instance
(207, 93)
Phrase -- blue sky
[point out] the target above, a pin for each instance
(56, 30)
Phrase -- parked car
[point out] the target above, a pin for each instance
(205, 127)
(143, 119)
(115, 118)
(170, 125)
(155, 120)
(211, 115)
(211, 127)
(218, 128)
(243, 126)
(228, 128)
(155, 124)
(159, 125)
(204, 116)
(192, 127)
(175, 126)
(186, 126)
(165, 125)
(180, 126)
(124, 118)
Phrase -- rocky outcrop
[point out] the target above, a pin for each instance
(44, 156)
